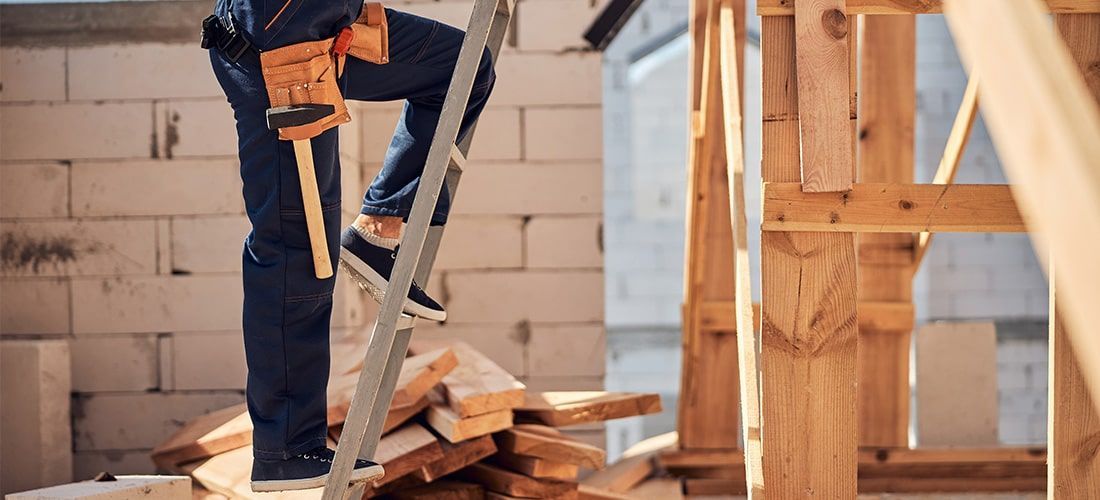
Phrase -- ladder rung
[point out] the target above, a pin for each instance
(458, 160)
(405, 321)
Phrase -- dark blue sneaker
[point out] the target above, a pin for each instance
(305, 471)
(370, 265)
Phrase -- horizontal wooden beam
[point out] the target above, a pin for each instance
(893, 208)
(786, 7)
(905, 470)
(880, 316)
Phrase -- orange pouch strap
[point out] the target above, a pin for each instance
(304, 73)
(372, 39)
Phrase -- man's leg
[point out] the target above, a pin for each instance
(286, 308)
(423, 53)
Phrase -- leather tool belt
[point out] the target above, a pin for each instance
(307, 72)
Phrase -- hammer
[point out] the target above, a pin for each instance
(293, 116)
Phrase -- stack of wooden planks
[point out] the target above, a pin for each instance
(460, 427)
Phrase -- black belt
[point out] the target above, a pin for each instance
(223, 36)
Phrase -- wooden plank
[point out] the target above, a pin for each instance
(896, 470)
(455, 429)
(957, 384)
(821, 38)
(442, 490)
(952, 153)
(394, 419)
(708, 410)
(456, 456)
(744, 315)
(635, 465)
(563, 408)
(886, 316)
(122, 487)
(477, 385)
(1039, 111)
(659, 489)
(551, 444)
(897, 208)
(570, 495)
(713, 487)
(535, 467)
(887, 107)
(206, 436)
(510, 483)
(899, 470)
(405, 451)
(420, 373)
(1073, 424)
(808, 310)
(586, 492)
(786, 7)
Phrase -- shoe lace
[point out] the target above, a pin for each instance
(321, 453)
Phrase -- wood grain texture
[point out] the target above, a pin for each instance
(808, 309)
(1039, 111)
(821, 39)
(421, 373)
(535, 467)
(744, 317)
(786, 7)
(707, 411)
(477, 385)
(1073, 425)
(563, 408)
(893, 208)
(635, 465)
(405, 451)
(551, 444)
(456, 456)
(442, 490)
(510, 483)
(448, 424)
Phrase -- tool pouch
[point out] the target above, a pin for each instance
(372, 40)
(307, 72)
(304, 73)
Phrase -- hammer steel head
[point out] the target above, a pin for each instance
(297, 114)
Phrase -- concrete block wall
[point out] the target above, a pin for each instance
(121, 219)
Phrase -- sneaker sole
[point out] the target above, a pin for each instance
(371, 473)
(375, 285)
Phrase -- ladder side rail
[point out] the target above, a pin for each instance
(501, 19)
(427, 193)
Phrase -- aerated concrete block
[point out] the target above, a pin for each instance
(35, 427)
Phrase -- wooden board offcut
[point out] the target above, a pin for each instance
(535, 467)
(564, 408)
(457, 456)
(477, 385)
(455, 429)
(514, 484)
(821, 38)
(551, 444)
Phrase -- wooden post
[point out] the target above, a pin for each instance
(1073, 426)
(808, 309)
(886, 120)
(708, 410)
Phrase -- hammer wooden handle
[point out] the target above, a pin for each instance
(311, 202)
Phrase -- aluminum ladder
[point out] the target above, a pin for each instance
(389, 341)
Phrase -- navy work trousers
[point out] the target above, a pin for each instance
(286, 308)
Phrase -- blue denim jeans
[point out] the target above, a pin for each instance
(287, 309)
